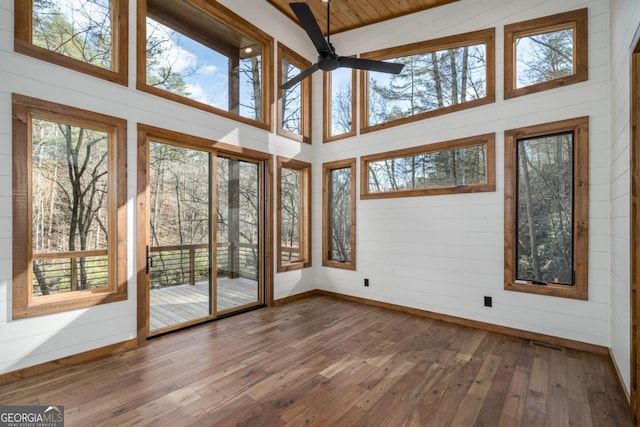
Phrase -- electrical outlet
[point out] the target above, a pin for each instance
(488, 302)
(366, 283)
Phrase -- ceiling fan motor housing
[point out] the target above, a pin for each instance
(328, 61)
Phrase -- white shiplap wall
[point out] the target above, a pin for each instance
(444, 253)
(625, 21)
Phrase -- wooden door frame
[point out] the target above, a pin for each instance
(146, 132)
(635, 226)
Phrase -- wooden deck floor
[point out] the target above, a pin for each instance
(327, 362)
(183, 303)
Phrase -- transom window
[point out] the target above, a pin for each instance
(203, 55)
(546, 209)
(339, 214)
(439, 76)
(85, 35)
(457, 166)
(294, 214)
(69, 218)
(294, 104)
(545, 53)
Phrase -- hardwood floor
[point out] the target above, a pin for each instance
(328, 362)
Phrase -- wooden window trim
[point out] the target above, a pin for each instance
(286, 54)
(486, 37)
(220, 13)
(490, 185)
(580, 128)
(23, 21)
(327, 96)
(24, 305)
(305, 229)
(577, 20)
(326, 217)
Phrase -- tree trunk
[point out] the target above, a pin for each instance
(533, 244)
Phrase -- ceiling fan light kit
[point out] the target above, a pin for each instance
(328, 60)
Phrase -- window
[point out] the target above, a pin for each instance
(201, 54)
(546, 209)
(69, 195)
(439, 76)
(459, 166)
(294, 104)
(545, 53)
(339, 214)
(339, 104)
(294, 214)
(90, 36)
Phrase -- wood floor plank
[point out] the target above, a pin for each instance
(323, 361)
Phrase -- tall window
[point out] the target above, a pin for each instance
(201, 54)
(546, 208)
(459, 166)
(294, 214)
(69, 184)
(339, 214)
(439, 76)
(339, 104)
(545, 53)
(90, 36)
(294, 104)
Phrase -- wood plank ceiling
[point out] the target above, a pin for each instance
(350, 14)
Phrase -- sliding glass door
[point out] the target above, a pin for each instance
(204, 256)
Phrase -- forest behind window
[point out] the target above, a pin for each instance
(339, 99)
(459, 167)
(545, 209)
(291, 120)
(79, 29)
(70, 212)
(546, 53)
(340, 211)
(429, 81)
(544, 57)
(546, 205)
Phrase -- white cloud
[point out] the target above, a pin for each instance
(206, 70)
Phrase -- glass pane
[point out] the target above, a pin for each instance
(217, 66)
(341, 101)
(80, 29)
(180, 222)
(291, 100)
(544, 57)
(238, 235)
(291, 210)
(340, 212)
(545, 209)
(429, 81)
(450, 168)
(70, 211)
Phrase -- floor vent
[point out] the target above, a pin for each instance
(547, 346)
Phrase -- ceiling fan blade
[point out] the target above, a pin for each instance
(297, 79)
(371, 65)
(310, 25)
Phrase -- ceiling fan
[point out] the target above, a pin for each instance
(328, 60)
